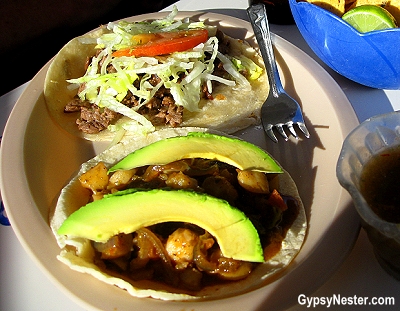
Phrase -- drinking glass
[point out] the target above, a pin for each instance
(372, 137)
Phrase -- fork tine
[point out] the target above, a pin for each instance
(303, 128)
(279, 127)
(271, 135)
(291, 129)
(268, 130)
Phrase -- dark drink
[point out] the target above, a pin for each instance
(380, 184)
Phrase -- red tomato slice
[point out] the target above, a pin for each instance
(164, 43)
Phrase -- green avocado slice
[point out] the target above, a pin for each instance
(236, 152)
(129, 210)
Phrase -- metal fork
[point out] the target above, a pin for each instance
(279, 109)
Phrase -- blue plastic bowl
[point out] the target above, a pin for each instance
(371, 59)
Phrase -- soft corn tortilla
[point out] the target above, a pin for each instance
(78, 253)
(236, 108)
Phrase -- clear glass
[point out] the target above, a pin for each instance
(369, 138)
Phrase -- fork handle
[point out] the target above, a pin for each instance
(259, 21)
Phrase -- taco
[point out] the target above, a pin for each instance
(135, 77)
(215, 217)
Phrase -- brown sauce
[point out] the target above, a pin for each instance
(380, 184)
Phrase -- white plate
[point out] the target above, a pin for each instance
(38, 158)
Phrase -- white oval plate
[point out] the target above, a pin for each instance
(38, 158)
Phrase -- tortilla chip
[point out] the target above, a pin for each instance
(78, 253)
(393, 7)
(335, 6)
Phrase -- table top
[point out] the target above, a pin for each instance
(23, 286)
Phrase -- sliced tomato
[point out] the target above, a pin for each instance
(155, 44)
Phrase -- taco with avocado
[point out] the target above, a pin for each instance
(181, 214)
(136, 77)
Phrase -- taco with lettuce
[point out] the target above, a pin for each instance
(181, 214)
(136, 77)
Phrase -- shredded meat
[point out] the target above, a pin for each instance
(162, 110)
(94, 119)
(75, 105)
(206, 92)
(130, 100)
(154, 80)
(223, 43)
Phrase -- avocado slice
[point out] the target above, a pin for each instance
(238, 153)
(129, 210)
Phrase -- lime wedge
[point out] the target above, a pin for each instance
(368, 17)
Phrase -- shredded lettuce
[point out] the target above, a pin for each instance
(244, 63)
(233, 71)
(196, 66)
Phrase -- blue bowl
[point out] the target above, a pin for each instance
(371, 59)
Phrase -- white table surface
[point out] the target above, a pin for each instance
(24, 287)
